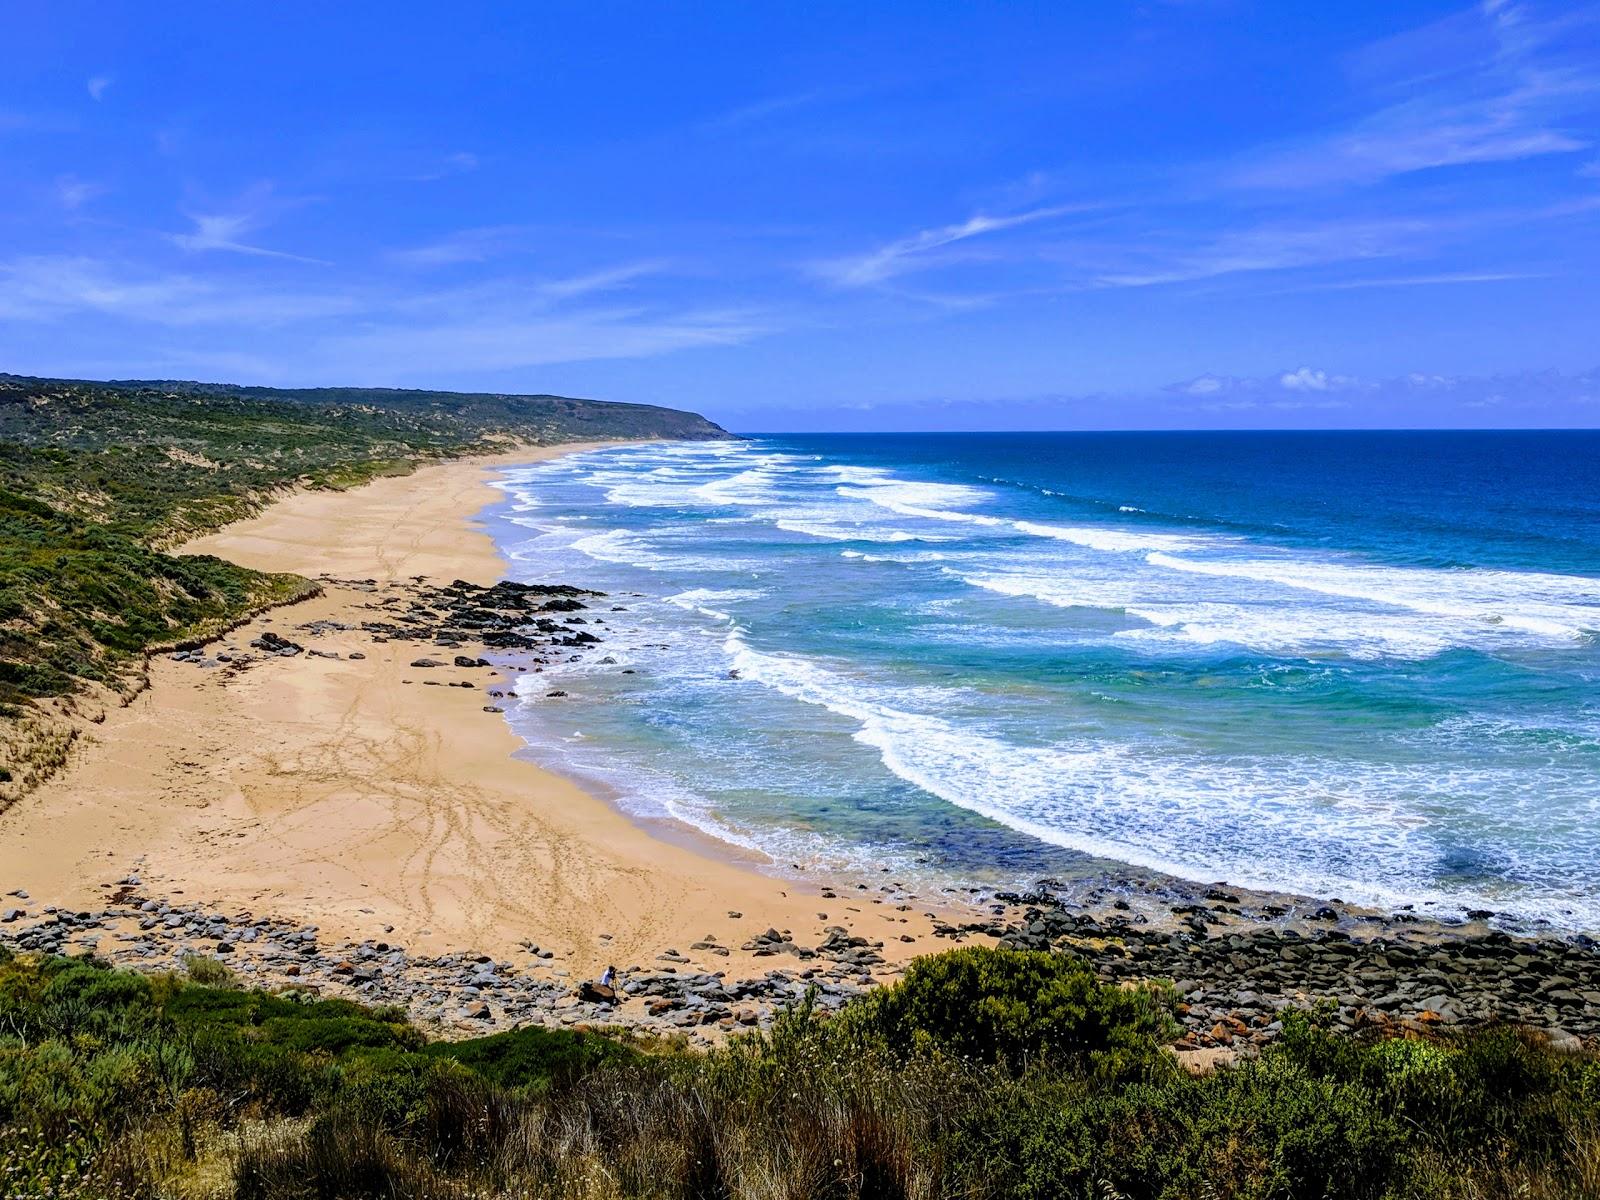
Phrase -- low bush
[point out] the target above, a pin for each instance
(1013, 1007)
(212, 972)
(533, 1058)
(1055, 1087)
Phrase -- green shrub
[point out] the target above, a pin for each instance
(336, 1035)
(1053, 1088)
(212, 972)
(95, 986)
(1013, 1006)
(533, 1057)
(260, 1076)
(1265, 1129)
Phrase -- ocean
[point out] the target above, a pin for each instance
(1352, 665)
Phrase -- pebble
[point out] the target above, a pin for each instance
(1234, 977)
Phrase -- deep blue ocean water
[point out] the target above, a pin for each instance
(1363, 665)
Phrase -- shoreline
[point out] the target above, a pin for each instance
(333, 791)
(327, 819)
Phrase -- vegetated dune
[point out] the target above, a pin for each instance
(99, 480)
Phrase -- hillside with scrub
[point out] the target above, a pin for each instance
(983, 1075)
(99, 481)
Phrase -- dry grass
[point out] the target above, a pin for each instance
(35, 744)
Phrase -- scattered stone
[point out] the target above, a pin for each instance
(596, 993)
(272, 643)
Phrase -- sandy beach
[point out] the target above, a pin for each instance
(345, 793)
(342, 821)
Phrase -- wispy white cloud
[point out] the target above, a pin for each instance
(222, 231)
(1417, 396)
(98, 85)
(74, 193)
(1498, 82)
(459, 162)
(1271, 247)
(20, 121)
(1495, 83)
(463, 246)
(1166, 256)
(507, 296)
(763, 109)
(496, 342)
(912, 253)
(49, 287)
(605, 280)
(1441, 279)
(383, 335)
(225, 230)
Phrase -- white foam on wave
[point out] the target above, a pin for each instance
(1552, 606)
(756, 484)
(1114, 541)
(700, 599)
(918, 500)
(1542, 605)
(668, 475)
(632, 549)
(1544, 733)
(1261, 598)
(852, 533)
(943, 501)
(1274, 628)
(845, 473)
(1358, 830)
(1284, 631)
(917, 556)
(1061, 589)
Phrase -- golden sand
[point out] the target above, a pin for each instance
(333, 792)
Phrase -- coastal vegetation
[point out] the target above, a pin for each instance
(984, 1073)
(99, 481)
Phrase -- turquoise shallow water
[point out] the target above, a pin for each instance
(1362, 665)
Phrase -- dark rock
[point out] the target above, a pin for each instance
(272, 643)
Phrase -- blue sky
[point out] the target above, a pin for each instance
(1159, 214)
